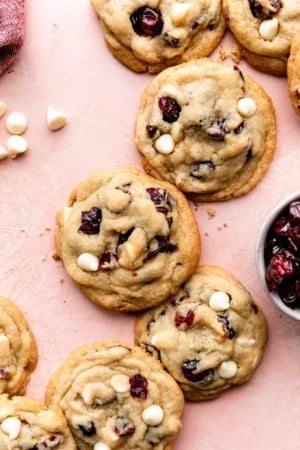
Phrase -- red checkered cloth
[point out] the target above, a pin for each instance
(12, 18)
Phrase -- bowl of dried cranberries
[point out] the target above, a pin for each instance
(278, 255)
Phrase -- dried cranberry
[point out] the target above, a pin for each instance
(138, 386)
(88, 430)
(163, 246)
(294, 212)
(123, 426)
(5, 374)
(123, 237)
(147, 22)
(288, 293)
(189, 369)
(91, 220)
(279, 268)
(218, 128)
(272, 247)
(184, 319)
(169, 108)
(227, 327)
(108, 261)
(281, 226)
(151, 130)
(161, 199)
(52, 441)
(260, 11)
(203, 169)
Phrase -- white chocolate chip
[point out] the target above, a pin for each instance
(88, 262)
(168, 91)
(2, 108)
(16, 123)
(153, 415)
(227, 369)
(268, 29)
(55, 119)
(246, 106)
(244, 342)
(101, 446)
(165, 144)
(3, 152)
(133, 249)
(16, 145)
(120, 383)
(179, 12)
(219, 301)
(11, 426)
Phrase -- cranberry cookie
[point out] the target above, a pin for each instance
(208, 128)
(127, 240)
(27, 424)
(209, 337)
(293, 74)
(117, 397)
(264, 28)
(150, 36)
(18, 350)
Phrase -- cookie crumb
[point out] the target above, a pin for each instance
(211, 212)
(206, 234)
(23, 230)
(223, 53)
(48, 228)
(62, 280)
(55, 257)
(44, 257)
(236, 53)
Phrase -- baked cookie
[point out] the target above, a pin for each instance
(18, 350)
(207, 128)
(127, 240)
(116, 396)
(265, 29)
(152, 35)
(209, 337)
(27, 424)
(293, 74)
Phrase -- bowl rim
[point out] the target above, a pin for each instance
(260, 263)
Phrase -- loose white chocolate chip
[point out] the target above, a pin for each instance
(153, 415)
(88, 262)
(227, 369)
(219, 301)
(55, 119)
(101, 446)
(16, 123)
(16, 145)
(268, 29)
(3, 152)
(179, 11)
(120, 383)
(165, 144)
(246, 106)
(11, 426)
(2, 108)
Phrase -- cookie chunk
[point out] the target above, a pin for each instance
(293, 74)
(209, 337)
(18, 350)
(207, 128)
(153, 35)
(127, 240)
(265, 29)
(27, 424)
(116, 396)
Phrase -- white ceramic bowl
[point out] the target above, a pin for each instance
(261, 267)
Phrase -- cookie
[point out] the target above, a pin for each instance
(208, 128)
(127, 240)
(293, 74)
(209, 337)
(265, 29)
(27, 424)
(18, 349)
(116, 396)
(150, 36)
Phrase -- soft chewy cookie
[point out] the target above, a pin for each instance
(116, 396)
(152, 35)
(293, 74)
(18, 350)
(265, 29)
(206, 127)
(209, 337)
(27, 424)
(127, 240)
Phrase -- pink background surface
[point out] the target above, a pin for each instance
(65, 63)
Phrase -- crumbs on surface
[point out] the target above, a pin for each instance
(235, 53)
(211, 212)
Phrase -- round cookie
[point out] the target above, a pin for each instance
(152, 35)
(27, 424)
(264, 28)
(127, 240)
(116, 396)
(293, 74)
(209, 337)
(208, 128)
(18, 350)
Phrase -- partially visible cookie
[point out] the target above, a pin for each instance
(208, 128)
(293, 74)
(265, 29)
(150, 36)
(18, 350)
(27, 424)
(209, 337)
(127, 240)
(116, 396)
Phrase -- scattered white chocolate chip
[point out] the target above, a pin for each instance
(16, 145)
(153, 415)
(2, 108)
(268, 29)
(120, 383)
(227, 369)
(244, 342)
(88, 262)
(3, 152)
(16, 123)
(179, 11)
(11, 426)
(165, 144)
(101, 446)
(246, 106)
(55, 119)
(219, 301)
